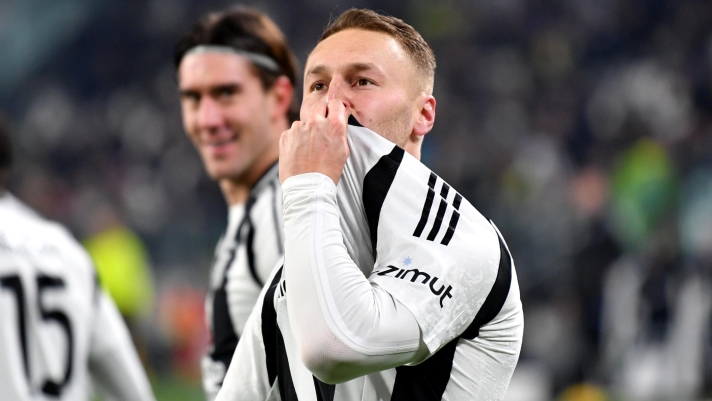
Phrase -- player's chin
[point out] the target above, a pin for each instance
(219, 170)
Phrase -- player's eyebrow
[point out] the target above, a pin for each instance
(320, 68)
(187, 92)
(362, 66)
(234, 87)
(317, 69)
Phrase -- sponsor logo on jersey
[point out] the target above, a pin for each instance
(420, 277)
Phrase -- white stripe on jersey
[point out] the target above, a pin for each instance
(58, 330)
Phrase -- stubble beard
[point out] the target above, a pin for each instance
(396, 130)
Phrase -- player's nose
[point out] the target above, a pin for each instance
(209, 114)
(338, 91)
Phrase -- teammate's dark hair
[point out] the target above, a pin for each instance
(5, 150)
(247, 29)
(412, 42)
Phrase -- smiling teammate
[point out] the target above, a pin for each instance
(236, 77)
(393, 286)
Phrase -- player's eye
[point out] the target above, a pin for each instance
(225, 92)
(318, 86)
(190, 97)
(363, 82)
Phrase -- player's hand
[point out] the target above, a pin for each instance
(317, 145)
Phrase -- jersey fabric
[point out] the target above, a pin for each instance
(414, 237)
(244, 259)
(60, 335)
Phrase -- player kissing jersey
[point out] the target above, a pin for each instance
(59, 332)
(390, 246)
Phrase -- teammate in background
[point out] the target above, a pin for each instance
(236, 77)
(393, 287)
(59, 332)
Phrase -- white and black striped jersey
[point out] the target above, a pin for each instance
(244, 258)
(414, 236)
(59, 332)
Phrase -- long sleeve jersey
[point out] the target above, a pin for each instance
(393, 287)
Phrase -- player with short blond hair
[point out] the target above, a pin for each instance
(393, 286)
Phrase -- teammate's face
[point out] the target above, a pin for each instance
(372, 75)
(226, 113)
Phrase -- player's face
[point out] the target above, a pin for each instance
(371, 74)
(226, 113)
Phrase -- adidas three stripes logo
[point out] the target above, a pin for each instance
(437, 224)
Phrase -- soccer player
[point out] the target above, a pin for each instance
(393, 286)
(236, 78)
(59, 332)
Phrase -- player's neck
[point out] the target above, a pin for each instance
(413, 147)
(234, 192)
(237, 190)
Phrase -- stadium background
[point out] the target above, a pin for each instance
(583, 128)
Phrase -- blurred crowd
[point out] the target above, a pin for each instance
(582, 128)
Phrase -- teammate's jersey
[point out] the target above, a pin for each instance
(244, 258)
(413, 235)
(59, 332)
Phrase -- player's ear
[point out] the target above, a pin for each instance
(426, 115)
(281, 96)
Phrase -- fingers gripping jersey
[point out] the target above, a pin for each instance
(57, 328)
(415, 238)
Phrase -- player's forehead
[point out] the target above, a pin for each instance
(213, 68)
(358, 47)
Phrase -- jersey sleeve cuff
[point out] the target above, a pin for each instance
(308, 181)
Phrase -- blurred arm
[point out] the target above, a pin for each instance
(115, 367)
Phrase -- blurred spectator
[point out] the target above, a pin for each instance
(182, 321)
(122, 264)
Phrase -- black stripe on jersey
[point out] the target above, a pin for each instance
(426, 207)
(376, 185)
(249, 242)
(275, 218)
(453, 220)
(224, 337)
(497, 295)
(441, 212)
(269, 328)
(284, 375)
(428, 380)
(324, 392)
(353, 121)
(275, 353)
